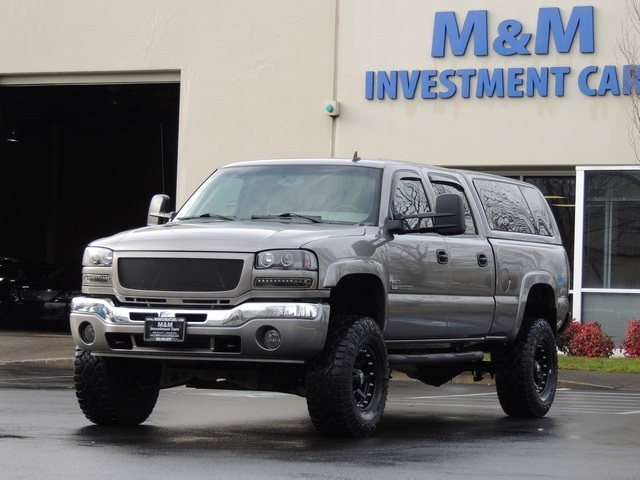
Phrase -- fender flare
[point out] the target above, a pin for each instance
(530, 280)
(342, 268)
(349, 266)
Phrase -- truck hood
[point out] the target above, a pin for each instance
(237, 236)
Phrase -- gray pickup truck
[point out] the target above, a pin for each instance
(319, 278)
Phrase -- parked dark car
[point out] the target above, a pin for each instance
(11, 272)
(45, 299)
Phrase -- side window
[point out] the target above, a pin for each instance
(540, 210)
(505, 207)
(410, 198)
(442, 188)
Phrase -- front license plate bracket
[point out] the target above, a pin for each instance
(162, 330)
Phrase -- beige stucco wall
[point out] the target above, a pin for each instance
(255, 75)
(569, 130)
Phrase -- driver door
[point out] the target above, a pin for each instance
(419, 269)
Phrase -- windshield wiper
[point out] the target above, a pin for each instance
(216, 216)
(314, 219)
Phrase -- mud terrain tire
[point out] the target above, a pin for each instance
(347, 383)
(114, 391)
(527, 371)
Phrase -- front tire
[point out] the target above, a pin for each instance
(114, 391)
(347, 383)
(527, 371)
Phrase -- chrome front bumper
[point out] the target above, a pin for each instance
(302, 327)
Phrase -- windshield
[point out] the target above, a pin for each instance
(291, 193)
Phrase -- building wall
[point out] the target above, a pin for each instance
(255, 76)
(568, 130)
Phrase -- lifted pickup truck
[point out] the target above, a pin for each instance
(319, 278)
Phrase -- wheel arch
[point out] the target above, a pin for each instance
(360, 294)
(537, 300)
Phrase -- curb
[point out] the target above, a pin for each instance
(42, 361)
(583, 385)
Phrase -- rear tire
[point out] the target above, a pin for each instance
(347, 383)
(113, 391)
(527, 371)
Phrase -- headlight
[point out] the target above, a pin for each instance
(287, 259)
(97, 257)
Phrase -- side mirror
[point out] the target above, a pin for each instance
(448, 218)
(450, 215)
(158, 210)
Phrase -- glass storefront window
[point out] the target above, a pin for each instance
(612, 310)
(611, 250)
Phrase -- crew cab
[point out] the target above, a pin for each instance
(320, 277)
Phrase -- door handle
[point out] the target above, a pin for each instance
(483, 260)
(443, 258)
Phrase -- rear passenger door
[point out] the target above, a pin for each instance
(419, 270)
(472, 271)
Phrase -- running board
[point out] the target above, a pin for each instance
(435, 358)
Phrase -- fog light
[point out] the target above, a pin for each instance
(271, 339)
(87, 333)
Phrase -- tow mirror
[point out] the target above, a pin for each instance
(450, 215)
(158, 210)
(448, 219)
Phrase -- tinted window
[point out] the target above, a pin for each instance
(505, 207)
(560, 193)
(540, 211)
(409, 199)
(442, 188)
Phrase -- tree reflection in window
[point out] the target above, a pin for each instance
(442, 188)
(410, 199)
(611, 253)
(560, 192)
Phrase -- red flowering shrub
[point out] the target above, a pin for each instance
(631, 342)
(563, 340)
(591, 341)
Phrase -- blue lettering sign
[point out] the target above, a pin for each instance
(369, 85)
(466, 74)
(388, 84)
(445, 80)
(537, 81)
(409, 83)
(514, 81)
(490, 84)
(609, 81)
(428, 83)
(559, 73)
(509, 41)
(550, 24)
(583, 80)
(446, 27)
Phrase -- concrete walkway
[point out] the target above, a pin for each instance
(37, 347)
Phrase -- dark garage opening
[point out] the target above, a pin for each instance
(81, 162)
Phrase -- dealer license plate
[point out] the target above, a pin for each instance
(164, 329)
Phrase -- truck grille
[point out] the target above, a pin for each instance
(179, 274)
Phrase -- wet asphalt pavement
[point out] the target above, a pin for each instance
(455, 431)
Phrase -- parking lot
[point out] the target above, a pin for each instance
(455, 431)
